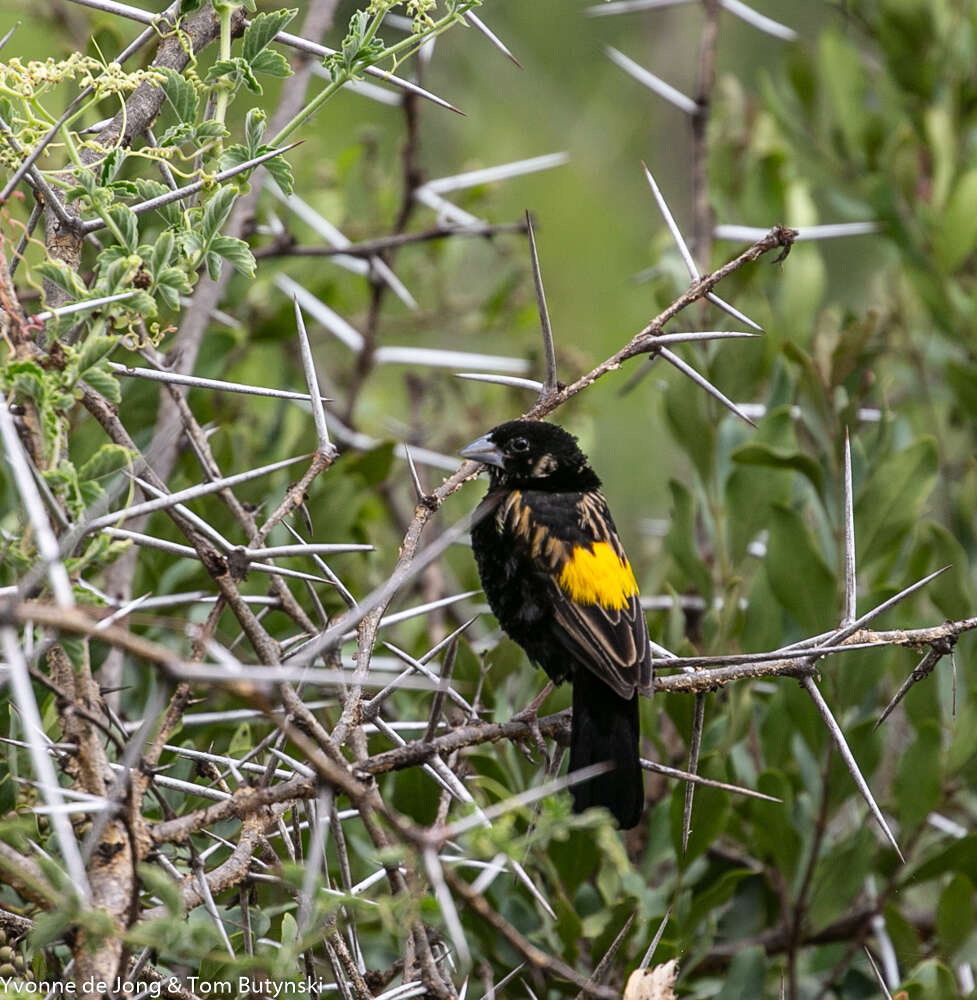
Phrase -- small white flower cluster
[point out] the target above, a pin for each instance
(27, 81)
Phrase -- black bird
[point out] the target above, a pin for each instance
(558, 581)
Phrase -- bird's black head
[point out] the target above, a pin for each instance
(528, 454)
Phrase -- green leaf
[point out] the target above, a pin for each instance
(217, 210)
(680, 542)
(123, 189)
(262, 30)
(839, 876)
(372, 466)
(890, 504)
(86, 182)
(236, 71)
(959, 856)
(956, 228)
(254, 129)
(770, 457)
(162, 252)
(104, 382)
(171, 214)
(931, 980)
(224, 67)
(955, 914)
(191, 242)
(208, 130)
(171, 283)
(687, 417)
(108, 459)
(918, 779)
(710, 813)
(290, 931)
(250, 80)
(708, 904)
(110, 167)
(181, 95)
(158, 883)
(236, 252)
(26, 377)
(281, 170)
(271, 63)
(843, 78)
(798, 574)
(176, 135)
(743, 979)
(142, 302)
(242, 741)
(937, 547)
(212, 260)
(93, 350)
(127, 223)
(50, 926)
(774, 835)
(61, 275)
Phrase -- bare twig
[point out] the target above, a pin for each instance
(549, 351)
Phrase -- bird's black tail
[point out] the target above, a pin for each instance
(605, 728)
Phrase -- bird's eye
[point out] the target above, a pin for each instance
(518, 445)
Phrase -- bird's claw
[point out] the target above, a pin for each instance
(530, 716)
(531, 719)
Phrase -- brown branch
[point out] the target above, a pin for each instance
(229, 873)
(800, 665)
(295, 495)
(243, 802)
(556, 726)
(25, 876)
(15, 330)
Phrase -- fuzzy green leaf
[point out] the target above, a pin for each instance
(271, 63)
(104, 382)
(212, 260)
(217, 210)
(254, 129)
(61, 275)
(162, 252)
(128, 225)
(262, 30)
(209, 130)
(93, 350)
(108, 459)
(281, 170)
(236, 252)
(181, 95)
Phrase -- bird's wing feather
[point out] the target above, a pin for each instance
(613, 643)
(596, 611)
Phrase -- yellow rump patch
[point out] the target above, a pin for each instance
(598, 576)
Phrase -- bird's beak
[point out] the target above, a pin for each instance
(483, 450)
